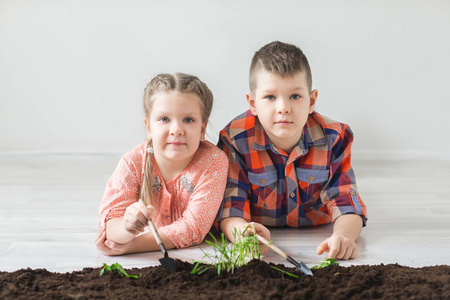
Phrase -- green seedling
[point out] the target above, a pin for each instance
(287, 273)
(325, 263)
(116, 267)
(229, 256)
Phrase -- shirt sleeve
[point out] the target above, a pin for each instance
(197, 219)
(340, 194)
(122, 190)
(236, 201)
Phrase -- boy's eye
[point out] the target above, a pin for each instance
(270, 97)
(164, 119)
(188, 120)
(295, 96)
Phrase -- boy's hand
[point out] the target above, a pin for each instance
(338, 246)
(110, 248)
(136, 217)
(261, 230)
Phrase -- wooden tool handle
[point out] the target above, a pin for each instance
(272, 246)
(155, 233)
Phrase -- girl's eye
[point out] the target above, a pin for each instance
(188, 120)
(270, 97)
(295, 96)
(164, 119)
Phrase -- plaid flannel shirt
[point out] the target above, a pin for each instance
(313, 185)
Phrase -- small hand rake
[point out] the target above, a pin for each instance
(298, 266)
(167, 262)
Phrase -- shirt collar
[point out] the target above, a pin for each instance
(312, 136)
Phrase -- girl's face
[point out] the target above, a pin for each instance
(176, 128)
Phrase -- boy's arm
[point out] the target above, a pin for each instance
(343, 201)
(341, 244)
(235, 212)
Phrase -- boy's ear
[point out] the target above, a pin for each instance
(312, 100)
(147, 128)
(251, 102)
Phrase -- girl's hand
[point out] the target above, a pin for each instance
(136, 217)
(110, 248)
(338, 246)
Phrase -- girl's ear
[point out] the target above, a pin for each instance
(312, 100)
(251, 102)
(147, 128)
(203, 130)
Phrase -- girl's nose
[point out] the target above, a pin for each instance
(283, 106)
(176, 129)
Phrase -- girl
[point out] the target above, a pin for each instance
(175, 178)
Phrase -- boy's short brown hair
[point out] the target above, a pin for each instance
(282, 59)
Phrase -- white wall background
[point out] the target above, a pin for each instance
(72, 73)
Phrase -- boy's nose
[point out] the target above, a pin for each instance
(283, 107)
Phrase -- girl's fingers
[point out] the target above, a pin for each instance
(135, 218)
(132, 228)
(101, 236)
(147, 210)
(107, 247)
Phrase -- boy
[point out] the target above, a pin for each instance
(289, 165)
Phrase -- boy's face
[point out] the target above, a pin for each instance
(282, 105)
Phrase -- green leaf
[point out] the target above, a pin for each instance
(283, 271)
(325, 263)
(116, 267)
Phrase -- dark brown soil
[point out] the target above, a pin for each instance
(254, 281)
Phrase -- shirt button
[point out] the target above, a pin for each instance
(292, 195)
(167, 217)
(311, 177)
(292, 221)
(263, 181)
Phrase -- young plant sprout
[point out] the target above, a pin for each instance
(116, 267)
(228, 257)
(287, 273)
(325, 263)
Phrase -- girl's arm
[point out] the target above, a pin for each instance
(115, 231)
(123, 230)
(142, 243)
(121, 193)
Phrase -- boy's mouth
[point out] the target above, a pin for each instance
(283, 122)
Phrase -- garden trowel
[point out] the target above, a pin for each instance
(300, 266)
(167, 262)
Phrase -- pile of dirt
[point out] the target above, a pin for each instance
(257, 280)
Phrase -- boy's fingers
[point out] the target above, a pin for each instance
(322, 247)
(334, 249)
(342, 252)
(348, 254)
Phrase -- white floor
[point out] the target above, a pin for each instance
(49, 204)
